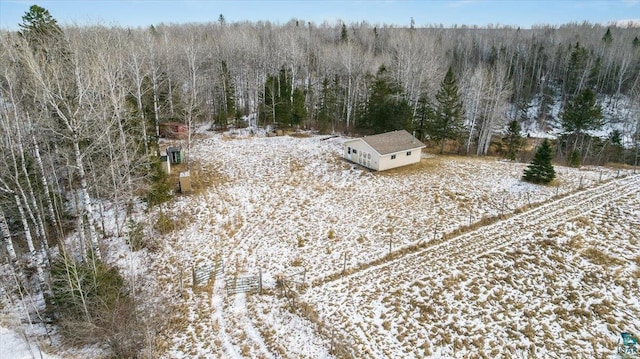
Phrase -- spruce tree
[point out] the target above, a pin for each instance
(607, 38)
(326, 111)
(578, 62)
(424, 113)
(298, 108)
(540, 170)
(386, 109)
(448, 119)
(581, 114)
(513, 140)
(344, 35)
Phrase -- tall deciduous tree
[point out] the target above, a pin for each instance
(63, 86)
(448, 120)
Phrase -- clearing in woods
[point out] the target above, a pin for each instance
(557, 274)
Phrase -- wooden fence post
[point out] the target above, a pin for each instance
(344, 266)
(193, 275)
(180, 280)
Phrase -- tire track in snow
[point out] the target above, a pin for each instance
(366, 286)
(245, 324)
(217, 304)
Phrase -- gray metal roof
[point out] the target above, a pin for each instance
(390, 142)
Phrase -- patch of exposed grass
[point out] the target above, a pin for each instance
(599, 257)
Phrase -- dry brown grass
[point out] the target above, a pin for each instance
(297, 262)
(203, 176)
(166, 223)
(430, 165)
(599, 257)
(296, 134)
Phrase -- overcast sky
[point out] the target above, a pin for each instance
(134, 13)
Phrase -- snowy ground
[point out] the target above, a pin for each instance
(559, 278)
(452, 257)
(16, 346)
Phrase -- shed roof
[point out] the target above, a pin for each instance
(390, 142)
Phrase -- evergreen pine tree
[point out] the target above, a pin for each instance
(298, 108)
(386, 110)
(424, 113)
(160, 188)
(540, 170)
(581, 114)
(327, 104)
(578, 62)
(615, 146)
(607, 38)
(448, 120)
(574, 159)
(513, 140)
(344, 35)
(39, 28)
(283, 105)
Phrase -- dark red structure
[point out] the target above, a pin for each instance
(173, 130)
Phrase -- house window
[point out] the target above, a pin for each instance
(408, 153)
(349, 150)
(393, 157)
(355, 151)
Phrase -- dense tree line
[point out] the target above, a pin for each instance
(80, 109)
(324, 76)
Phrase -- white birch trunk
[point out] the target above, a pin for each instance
(35, 259)
(8, 242)
(86, 199)
(36, 218)
(45, 182)
(156, 109)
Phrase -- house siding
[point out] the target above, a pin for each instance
(365, 155)
(401, 159)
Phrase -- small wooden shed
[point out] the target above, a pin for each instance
(165, 163)
(174, 155)
(185, 182)
(384, 151)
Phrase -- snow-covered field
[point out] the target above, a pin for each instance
(481, 264)
(454, 257)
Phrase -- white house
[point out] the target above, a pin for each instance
(384, 151)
